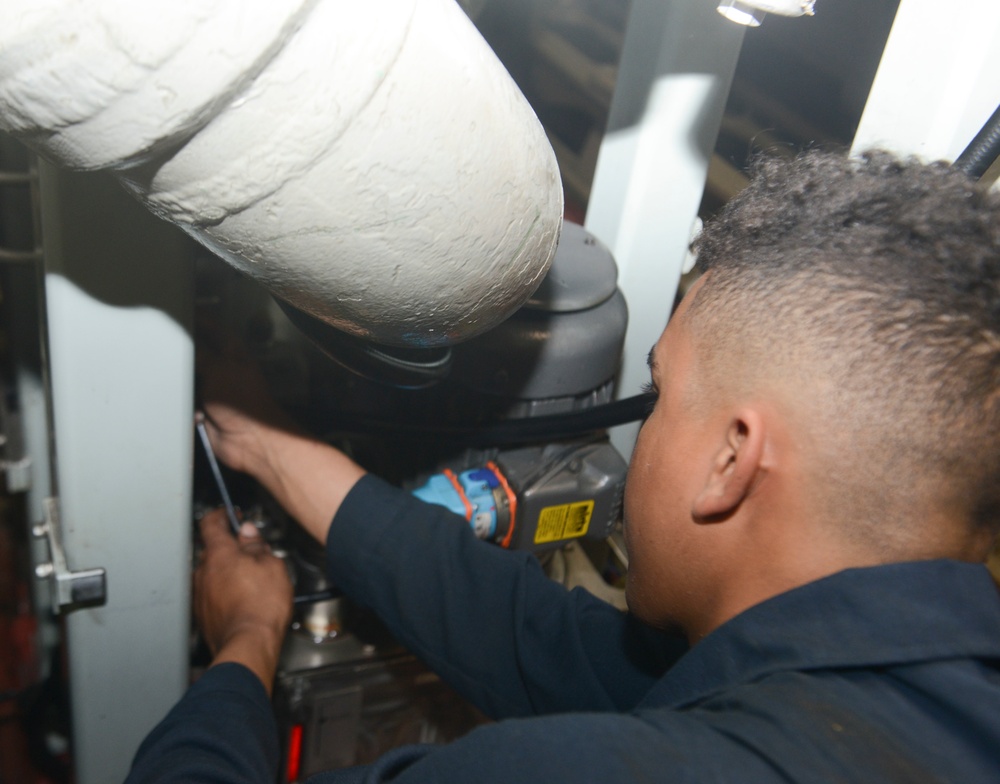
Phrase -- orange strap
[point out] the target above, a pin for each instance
(511, 499)
(461, 493)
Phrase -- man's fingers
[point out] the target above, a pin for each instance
(249, 533)
(251, 541)
(215, 531)
(216, 534)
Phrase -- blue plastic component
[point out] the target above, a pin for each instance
(483, 475)
(439, 490)
(477, 485)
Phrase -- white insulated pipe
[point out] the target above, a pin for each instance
(371, 163)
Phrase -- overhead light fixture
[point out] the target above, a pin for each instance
(751, 12)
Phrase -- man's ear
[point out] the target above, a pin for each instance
(734, 469)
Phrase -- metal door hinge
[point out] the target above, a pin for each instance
(85, 587)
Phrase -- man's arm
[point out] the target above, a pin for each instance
(223, 729)
(243, 598)
(488, 620)
(221, 732)
(250, 433)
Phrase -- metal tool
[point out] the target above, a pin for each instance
(318, 596)
(234, 521)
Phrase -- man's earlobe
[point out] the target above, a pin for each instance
(734, 469)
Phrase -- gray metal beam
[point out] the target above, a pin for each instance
(676, 68)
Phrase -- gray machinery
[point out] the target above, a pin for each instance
(506, 429)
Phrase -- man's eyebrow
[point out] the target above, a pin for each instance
(650, 359)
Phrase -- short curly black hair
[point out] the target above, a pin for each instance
(877, 280)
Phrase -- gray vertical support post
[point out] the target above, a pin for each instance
(677, 65)
(119, 304)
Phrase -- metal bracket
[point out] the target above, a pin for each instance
(72, 589)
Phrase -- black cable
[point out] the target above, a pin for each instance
(983, 150)
(507, 432)
(318, 596)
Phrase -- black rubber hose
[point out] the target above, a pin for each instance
(982, 151)
(317, 596)
(557, 426)
(507, 432)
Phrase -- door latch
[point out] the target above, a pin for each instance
(85, 587)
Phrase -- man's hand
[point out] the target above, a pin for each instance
(243, 597)
(242, 419)
(250, 433)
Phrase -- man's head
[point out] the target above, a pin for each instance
(853, 307)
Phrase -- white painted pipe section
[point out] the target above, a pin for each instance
(371, 163)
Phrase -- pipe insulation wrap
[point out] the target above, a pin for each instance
(372, 164)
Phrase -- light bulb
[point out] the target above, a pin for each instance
(751, 12)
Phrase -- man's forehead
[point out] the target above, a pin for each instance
(675, 325)
(673, 339)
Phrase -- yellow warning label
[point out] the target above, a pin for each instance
(563, 522)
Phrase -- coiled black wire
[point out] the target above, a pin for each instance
(983, 150)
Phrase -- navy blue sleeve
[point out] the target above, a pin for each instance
(570, 748)
(489, 621)
(222, 731)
